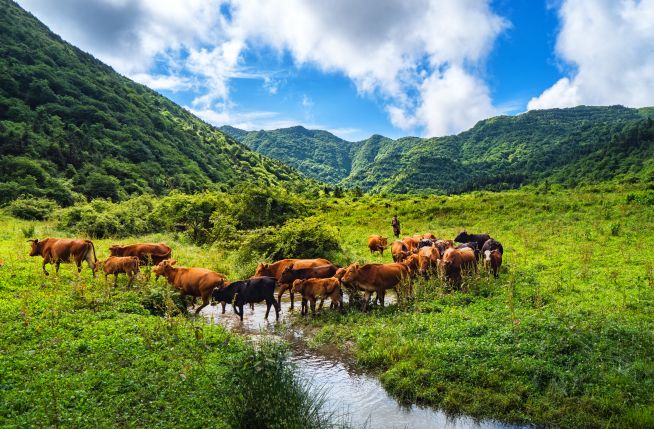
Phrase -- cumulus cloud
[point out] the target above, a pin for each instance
(423, 58)
(609, 46)
(414, 55)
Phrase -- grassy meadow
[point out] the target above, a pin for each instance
(76, 352)
(564, 338)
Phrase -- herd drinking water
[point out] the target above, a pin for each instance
(419, 255)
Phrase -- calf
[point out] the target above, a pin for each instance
(399, 250)
(493, 261)
(196, 282)
(377, 243)
(58, 250)
(323, 288)
(252, 290)
(121, 264)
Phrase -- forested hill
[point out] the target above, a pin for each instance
(70, 124)
(568, 146)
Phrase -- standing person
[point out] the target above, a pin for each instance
(396, 226)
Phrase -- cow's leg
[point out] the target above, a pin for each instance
(277, 308)
(382, 296)
(282, 288)
(322, 301)
(366, 298)
(205, 302)
(305, 307)
(131, 276)
(240, 307)
(223, 304)
(252, 306)
(45, 261)
(115, 279)
(312, 301)
(292, 298)
(57, 267)
(268, 304)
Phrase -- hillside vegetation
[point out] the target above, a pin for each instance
(573, 146)
(70, 125)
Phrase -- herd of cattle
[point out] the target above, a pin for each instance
(313, 279)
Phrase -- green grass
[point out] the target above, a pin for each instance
(565, 336)
(76, 352)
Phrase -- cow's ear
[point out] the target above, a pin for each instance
(172, 261)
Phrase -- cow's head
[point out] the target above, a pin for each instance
(286, 274)
(263, 269)
(462, 237)
(298, 285)
(164, 267)
(115, 250)
(351, 274)
(383, 241)
(36, 247)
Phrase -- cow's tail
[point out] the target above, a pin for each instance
(95, 258)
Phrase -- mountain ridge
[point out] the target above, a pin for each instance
(497, 153)
(71, 126)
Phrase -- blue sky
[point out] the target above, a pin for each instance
(356, 68)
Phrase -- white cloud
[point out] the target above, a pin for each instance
(164, 82)
(392, 48)
(423, 59)
(610, 46)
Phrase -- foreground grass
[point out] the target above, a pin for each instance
(564, 338)
(75, 352)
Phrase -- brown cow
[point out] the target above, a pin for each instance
(314, 288)
(493, 261)
(377, 243)
(428, 260)
(120, 264)
(412, 243)
(148, 253)
(399, 250)
(412, 263)
(58, 250)
(196, 282)
(276, 268)
(290, 273)
(456, 260)
(429, 235)
(375, 278)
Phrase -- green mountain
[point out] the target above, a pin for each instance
(318, 154)
(568, 146)
(71, 125)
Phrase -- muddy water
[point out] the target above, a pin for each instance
(348, 392)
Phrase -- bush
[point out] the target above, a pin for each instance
(305, 238)
(32, 208)
(163, 301)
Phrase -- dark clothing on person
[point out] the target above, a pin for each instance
(395, 223)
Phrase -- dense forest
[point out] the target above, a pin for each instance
(71, 125)
(567, 146)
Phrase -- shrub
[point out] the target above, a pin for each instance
(163, 301)
(306, 238)
(32, 208)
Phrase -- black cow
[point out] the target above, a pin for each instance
(491, 245)
(472, 245)
(480, 239)
(255, 289)
(425, 242)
